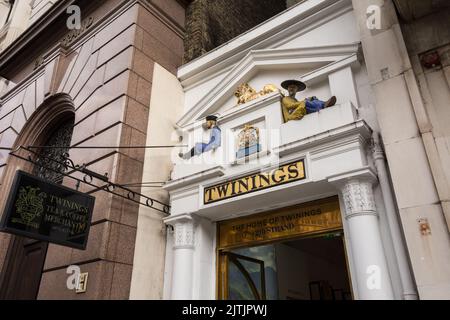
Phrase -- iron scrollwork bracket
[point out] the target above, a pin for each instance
(89, 177)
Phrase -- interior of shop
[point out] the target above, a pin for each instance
(301, 269)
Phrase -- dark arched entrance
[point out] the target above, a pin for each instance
(22, 271)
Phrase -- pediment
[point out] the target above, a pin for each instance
(309, 64)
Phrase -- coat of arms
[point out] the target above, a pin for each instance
(248, 141)
(245, 93)
(30, 203)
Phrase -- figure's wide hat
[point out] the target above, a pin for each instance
(211, 118)
(300, 85)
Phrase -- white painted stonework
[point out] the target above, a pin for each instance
(148, 264)
(316, 41)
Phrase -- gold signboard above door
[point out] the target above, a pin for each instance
(287, 173)
(301, 220)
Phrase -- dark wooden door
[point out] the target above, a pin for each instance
(23, 272)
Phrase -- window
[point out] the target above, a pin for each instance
(51, 162)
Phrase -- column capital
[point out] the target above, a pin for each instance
(183, 230)
(358, 199)
(357, 193)
(377, 148)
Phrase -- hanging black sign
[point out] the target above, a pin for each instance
(46, 211)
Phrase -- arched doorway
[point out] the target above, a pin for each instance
(51, 126)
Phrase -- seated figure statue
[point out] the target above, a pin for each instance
(294, 109)
(201, 147)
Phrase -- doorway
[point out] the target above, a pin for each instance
(292, 253)
(22, 273)
(301, 269)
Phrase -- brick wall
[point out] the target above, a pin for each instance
(211, 23)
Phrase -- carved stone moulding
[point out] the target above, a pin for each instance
(245, 93)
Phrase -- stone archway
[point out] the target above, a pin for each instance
(24, 258)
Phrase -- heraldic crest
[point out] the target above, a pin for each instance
(30, 203)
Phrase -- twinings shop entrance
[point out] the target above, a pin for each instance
(292, 253)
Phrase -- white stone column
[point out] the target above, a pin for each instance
(183, 257)
(401, 255)
(372, 274)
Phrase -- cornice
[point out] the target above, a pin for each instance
(194, 178)
(359, 130)
(250, 106)
(59, 8)
(32, 31)
(181, 218)
(364, 173)
(163, 17)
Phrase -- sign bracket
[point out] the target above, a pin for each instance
(90, 178)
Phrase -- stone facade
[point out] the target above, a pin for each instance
(118, 77)
(106, 74)
(427, 36)
(417, 150)
(400, 90)
(14, 19)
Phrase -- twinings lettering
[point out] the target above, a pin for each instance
(255, 182)
(45, 211)
(314, 217)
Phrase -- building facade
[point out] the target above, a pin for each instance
(281, 201)
(355, 194)
(91, 86)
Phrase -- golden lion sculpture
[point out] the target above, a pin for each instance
(246, 93)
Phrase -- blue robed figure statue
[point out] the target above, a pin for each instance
(215, 140)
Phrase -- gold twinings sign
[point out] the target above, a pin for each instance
(259, 181)
(306, 219)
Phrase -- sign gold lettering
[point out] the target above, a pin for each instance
(259, 181)
(305, 219)
(41, 210)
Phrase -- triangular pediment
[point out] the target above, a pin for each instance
(312, 63)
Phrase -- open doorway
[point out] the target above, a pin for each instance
(302, 269)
